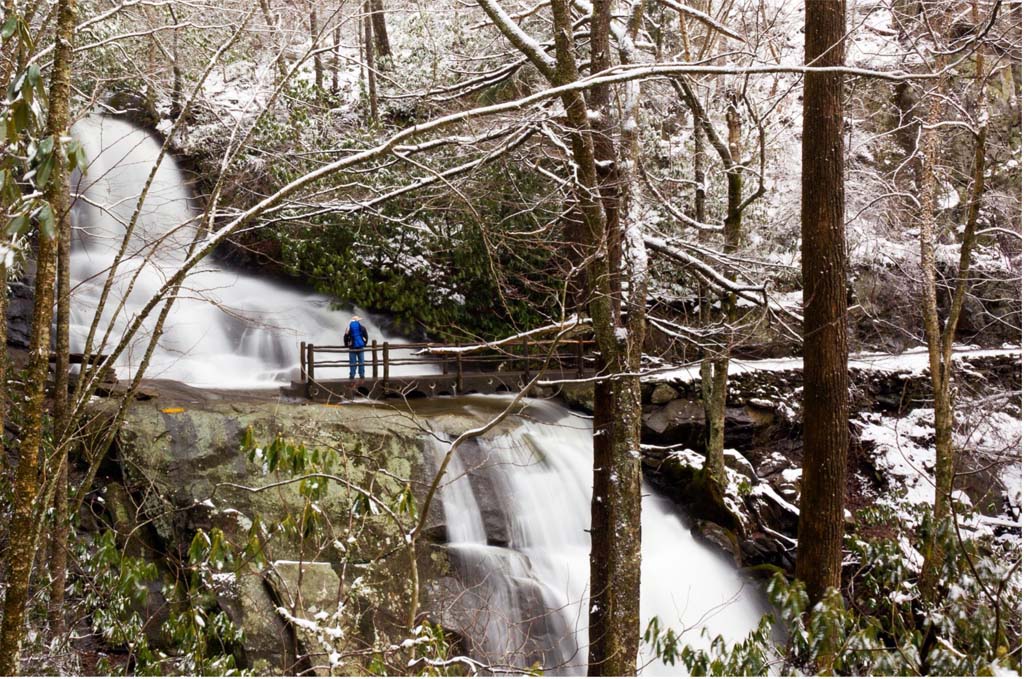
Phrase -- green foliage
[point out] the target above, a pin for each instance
(442, 272)
(884, 627)
(114, 589)
(356, 533)
(434, 261)
(28, 158)
(112, 586)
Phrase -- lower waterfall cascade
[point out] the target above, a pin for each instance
(527, 594)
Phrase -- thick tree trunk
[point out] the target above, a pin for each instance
(4, 300)
(823, 253)
(21, 547)
(380, 28)
(614, 611)
(602, 529)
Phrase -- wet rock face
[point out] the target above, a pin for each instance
(490, 496)
(183, 469)
(180, 468)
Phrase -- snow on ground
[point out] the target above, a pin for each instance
(911, 362)
(901, 452)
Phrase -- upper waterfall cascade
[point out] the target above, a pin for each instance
(226, 328)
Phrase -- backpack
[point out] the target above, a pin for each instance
(355, 336)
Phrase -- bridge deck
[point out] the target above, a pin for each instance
(448, 370)
(420, 386)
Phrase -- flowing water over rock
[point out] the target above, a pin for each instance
(517, 506)
(226, 329)
(517, 511)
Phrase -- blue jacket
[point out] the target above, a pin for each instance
(356, 335)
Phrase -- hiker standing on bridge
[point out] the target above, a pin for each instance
(355, 340)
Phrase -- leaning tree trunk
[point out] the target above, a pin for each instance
(21, 545)
(823, 255)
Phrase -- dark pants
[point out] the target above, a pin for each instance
(356, 357)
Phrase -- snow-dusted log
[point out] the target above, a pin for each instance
(571, 323)
(665, 248)
(702, 17)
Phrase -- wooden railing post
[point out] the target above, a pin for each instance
(386, 366)
(458, 372)
(302, 361)
(579, 359)
(444, 363)
(310, 363)
(373, 355)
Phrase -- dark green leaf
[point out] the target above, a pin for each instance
(47, 224)
(17, 226)
(43, 171)
(20, 115)
(10, 26)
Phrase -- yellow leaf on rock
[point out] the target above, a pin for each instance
(172, 411)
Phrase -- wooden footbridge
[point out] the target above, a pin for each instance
(426, 370)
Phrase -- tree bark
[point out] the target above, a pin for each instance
(271, 21)
(823, 255)
(714, 366)
(940, 338)
(314, 36)
(371, 67)
(336, 61)
(21, 547)
(380, 28)
(177, 84)
(62, 373)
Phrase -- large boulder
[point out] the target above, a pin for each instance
(681, 422)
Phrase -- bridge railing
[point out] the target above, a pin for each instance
(567, 356)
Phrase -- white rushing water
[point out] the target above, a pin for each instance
(537, 480)
(226, 329)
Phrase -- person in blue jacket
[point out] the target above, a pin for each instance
(355, 340)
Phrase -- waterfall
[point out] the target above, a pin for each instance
(226, 328)
(516, 505)
(517, 510)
